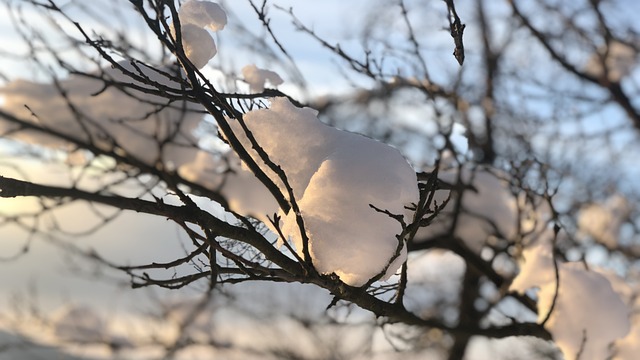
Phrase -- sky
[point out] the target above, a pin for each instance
(52, 275)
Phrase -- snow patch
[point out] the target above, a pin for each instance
(335, 176)
(195, 18)
(602, 222)
(198, 45)
(204, 14)
(588, 314)
(117, 118)
(225, 173)
(489, 211)
(257, 78)
(629, 347)
(619, 60)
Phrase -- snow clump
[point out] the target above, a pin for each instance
(198, 45)
(256, 77)
(195, 18)
(244, 192)
(619, 59)
(488, 212)
(204, 14)
(588, 314)
(603, 222)
(124, 118)
(629, 347)
(335, 177)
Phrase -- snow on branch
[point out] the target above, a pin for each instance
(195, 18)
(335, 177)
(134, 109)
(257, 78)
(578, 306)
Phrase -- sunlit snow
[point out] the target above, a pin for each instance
(257, 78)
(204, 14)
(143, 126)
(586, 315)
(335, 176)
(619, 59)
(488, 208)
(195, 18)
(198, 45)
(602, 222)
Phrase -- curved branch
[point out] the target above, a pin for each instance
(614, 88)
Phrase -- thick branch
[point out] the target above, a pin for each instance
(396, 313)
(10, 188)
